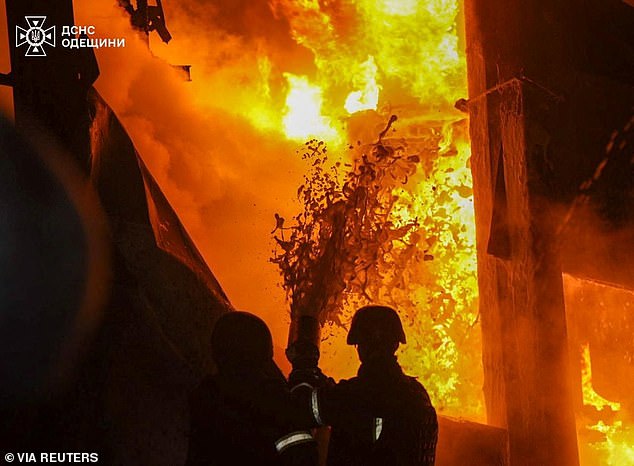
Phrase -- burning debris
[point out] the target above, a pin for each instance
(334, 72)
(328, 71)
(384, 228)
(341, 244)
(394, 222)
(147, 18)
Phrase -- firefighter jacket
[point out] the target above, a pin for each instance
(381, 417)
(246, 419)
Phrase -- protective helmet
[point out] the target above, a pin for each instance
(241, 339)
(376, 325)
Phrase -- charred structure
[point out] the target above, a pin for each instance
(551, 89)
(127, 396)
(551, 108)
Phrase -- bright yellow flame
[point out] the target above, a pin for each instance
(446, 289)
(404, 56)
(413, 43)
(590, 397)
(398, 7)
(617, 446)
(417, 47)
(437, 296)
(261, 112)
(303, 118)
(368, 97)
(382, 57)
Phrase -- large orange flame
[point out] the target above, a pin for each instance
(615, 447)
(267, 76)
(599, 319)
(403, 58)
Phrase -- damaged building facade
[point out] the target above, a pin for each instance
(551, 102)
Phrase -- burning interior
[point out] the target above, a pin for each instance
(471, 164)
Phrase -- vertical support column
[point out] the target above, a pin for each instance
(527, 385)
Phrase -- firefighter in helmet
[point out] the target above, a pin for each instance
(242, 415)
(379, 417)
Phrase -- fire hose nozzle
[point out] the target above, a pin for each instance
(303, 354)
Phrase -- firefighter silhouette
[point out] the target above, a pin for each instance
(242, 415)
(379, 417)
